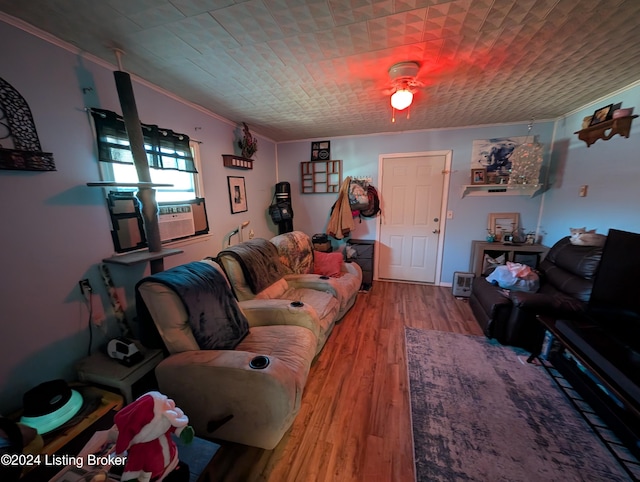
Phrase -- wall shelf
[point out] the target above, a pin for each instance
(126, 184)
(236, 162)
(320, 176)
(606, 130)
(501, 189)
(129, 259)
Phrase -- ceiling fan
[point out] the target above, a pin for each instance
(404, 84)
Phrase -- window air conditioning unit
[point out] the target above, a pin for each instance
(175, 221)
(462, 284)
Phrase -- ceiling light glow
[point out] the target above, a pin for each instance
(401, 99)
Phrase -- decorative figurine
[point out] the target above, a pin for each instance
(144, 431)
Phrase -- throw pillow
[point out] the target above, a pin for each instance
(327, 264)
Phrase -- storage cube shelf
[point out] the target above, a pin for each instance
(320, 177)
(518, 253)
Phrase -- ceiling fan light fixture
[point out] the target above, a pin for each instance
(401, 99)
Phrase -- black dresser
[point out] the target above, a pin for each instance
(364, 257)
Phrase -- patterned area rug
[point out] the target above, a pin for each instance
(480, 414)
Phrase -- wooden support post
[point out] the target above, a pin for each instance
(146, 195)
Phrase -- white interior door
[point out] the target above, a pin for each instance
(409, 236)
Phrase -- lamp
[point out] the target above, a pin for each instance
(403, 81)
(401, 99)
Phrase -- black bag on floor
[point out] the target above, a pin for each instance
(279, 211)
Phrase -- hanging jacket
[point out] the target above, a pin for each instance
(341, 219)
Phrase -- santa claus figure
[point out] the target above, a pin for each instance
(144, 431)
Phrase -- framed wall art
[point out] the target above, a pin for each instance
(495, 154)
(321, 151)
(237, 194)
(503, 223)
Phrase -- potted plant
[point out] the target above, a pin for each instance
(247, 143)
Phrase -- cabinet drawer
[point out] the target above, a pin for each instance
(367, 277)
(363, 250)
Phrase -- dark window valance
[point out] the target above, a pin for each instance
(165, 149)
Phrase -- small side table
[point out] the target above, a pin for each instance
(101, 369)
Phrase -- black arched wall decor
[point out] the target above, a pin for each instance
(18, 129)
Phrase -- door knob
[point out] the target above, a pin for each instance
(435, 231)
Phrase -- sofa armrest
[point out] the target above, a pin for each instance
(352, 268)
(311, 282)
(263, 312)
(556, 305)
(533, 302)
(211, 385)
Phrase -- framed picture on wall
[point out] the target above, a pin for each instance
(601, 115)
(321, 151)
(237, 194)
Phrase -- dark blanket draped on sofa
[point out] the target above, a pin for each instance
(259, 261)
(214, 315)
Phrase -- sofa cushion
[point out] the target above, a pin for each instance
(325, 304)
(259, 261)
(296, 252)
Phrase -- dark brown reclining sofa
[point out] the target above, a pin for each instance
(566, 280)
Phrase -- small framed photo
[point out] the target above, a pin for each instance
(601, 115)
(479, 176)
(237, 194)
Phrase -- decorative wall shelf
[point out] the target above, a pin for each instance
(501, 189)
(320, 176)
(606, 130)
(236, 162)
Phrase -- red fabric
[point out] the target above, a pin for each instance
(151, 458)
(327, 264)
(131, 419)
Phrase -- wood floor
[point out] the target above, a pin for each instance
(354, 424)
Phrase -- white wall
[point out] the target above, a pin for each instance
(56, 229)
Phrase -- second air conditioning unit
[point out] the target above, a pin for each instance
(175, 221)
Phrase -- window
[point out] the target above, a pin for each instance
(186, 185)
(173, 158)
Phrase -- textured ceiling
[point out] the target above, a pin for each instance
(295, 69)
